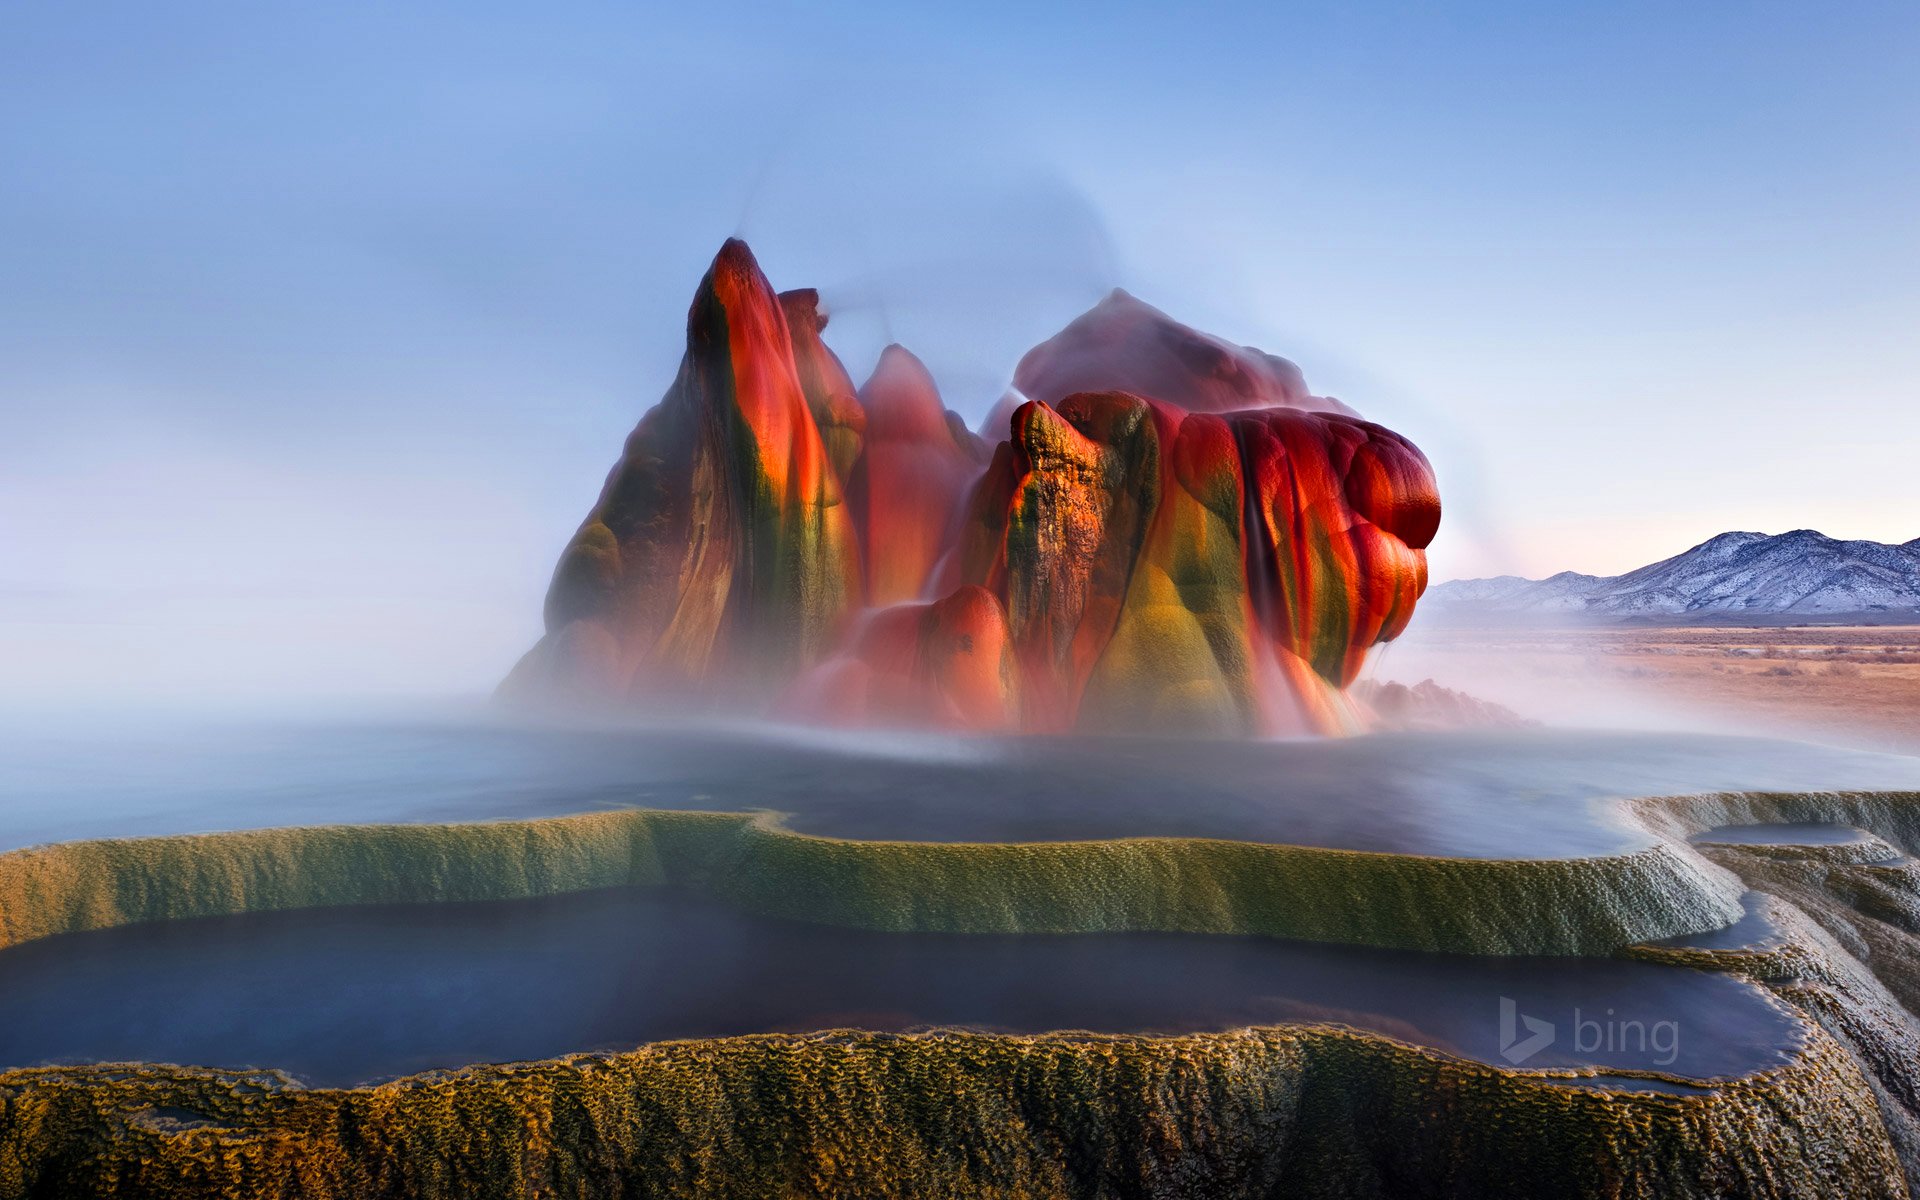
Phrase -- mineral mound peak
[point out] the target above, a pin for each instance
(1172, 534)
(1125, 344)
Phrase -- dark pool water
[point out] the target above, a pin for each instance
(1506, 794)
(339, 996)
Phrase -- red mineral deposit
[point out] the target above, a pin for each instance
(1172, 535)
(720, 555)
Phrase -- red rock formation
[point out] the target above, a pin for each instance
(831, 399)
(720, 553)
(1174, 536)
(1338, 514)
(1196, 571)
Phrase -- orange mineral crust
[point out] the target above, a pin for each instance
(1167, 570)
(829, 389)
(1174, 535)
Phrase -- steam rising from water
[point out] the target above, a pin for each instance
(1503, 795)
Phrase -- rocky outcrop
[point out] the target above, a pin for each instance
(721, 553)
(831, 398)
(1169, 570)
(1198, 545)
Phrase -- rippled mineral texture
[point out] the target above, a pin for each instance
(1290, 1110)
(1171, 534)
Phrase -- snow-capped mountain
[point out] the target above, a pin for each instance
(1732, 575)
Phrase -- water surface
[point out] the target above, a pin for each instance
(1784, 833)
(1532, 793)
(340, 996)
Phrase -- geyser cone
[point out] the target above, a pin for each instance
(720, 550)
(1126, 345)
(1174, 571)
(1175, 536)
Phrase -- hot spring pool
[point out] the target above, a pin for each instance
(348, 995)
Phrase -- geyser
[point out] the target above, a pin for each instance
(1171, 535)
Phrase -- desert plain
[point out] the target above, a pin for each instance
(1853, 683)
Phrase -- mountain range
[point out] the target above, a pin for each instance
(1741, 577)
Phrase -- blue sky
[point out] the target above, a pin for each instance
(319, 326)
